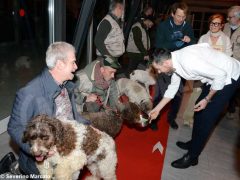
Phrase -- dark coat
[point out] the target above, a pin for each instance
(168, 35)
(36, 98)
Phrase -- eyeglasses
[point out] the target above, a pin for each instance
(215, 24)
(230, 17)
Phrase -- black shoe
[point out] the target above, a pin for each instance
(14, 168)
(185, 162)
(183, 145)
(6, 162)
(173, 124)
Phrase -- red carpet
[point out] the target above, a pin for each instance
(134, 150)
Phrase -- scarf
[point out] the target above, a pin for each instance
(99, 80)
(215, 34)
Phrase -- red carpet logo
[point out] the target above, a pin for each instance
(158, 146)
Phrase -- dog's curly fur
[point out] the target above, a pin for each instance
(144, 77)
(111, 121)
(136, 93)
(63, 147)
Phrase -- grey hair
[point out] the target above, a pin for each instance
(160, 55)
(114, 4)
(57, 51)
(235, 10)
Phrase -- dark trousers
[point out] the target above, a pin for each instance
(174, 107)
(134, 60)
(161, 86)
(205, 120)
(233, 102)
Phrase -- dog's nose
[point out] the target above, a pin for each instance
(36, 151)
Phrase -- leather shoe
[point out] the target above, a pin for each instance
(183, 145)
(185, 162)
(173, 124)
(6, 162)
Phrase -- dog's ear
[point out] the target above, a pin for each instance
(30, 125)
(130, 113)
(57, 129)
(27, 133)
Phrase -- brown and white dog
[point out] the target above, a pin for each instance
(111, 121)
(62, 148)
(136, 93)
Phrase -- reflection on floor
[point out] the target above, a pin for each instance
(11, 79)
(220, 159)
(19, 63)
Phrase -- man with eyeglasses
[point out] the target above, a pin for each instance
(232, 29)
(173, 34)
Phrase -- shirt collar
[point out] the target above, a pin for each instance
(173, 25)
(50, 85)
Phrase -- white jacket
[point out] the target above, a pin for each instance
(223, 43)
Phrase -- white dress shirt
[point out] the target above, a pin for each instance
(201, 62)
